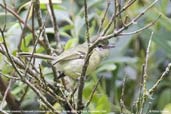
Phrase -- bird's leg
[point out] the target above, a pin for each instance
(61, 75)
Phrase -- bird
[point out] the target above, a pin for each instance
(71, 61)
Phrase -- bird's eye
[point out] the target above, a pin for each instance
(100, 46)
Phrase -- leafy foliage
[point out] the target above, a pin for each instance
(126, 59)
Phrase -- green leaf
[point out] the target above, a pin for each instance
(167, 109)
(107, 67)
(78, 25)
(71, 43)
(103, 104)
(62, 15)
(13, 36)
(25, 43)
(161, 38)
(122, 59)
(6, 19)
(164, 98)
(18, 89)
(25, 5)
(53, 1)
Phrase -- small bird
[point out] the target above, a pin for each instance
(71, 61)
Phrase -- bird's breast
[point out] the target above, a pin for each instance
(73, 68)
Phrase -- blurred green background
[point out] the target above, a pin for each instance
(126, 59)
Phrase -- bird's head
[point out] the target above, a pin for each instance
(103, 48)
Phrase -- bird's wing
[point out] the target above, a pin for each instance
(35, 55)
(70, 55)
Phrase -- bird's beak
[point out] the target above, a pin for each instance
(108, 46)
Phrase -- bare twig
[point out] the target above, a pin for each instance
(8, 54)
(146, 63)
(40, 22)
(18, 63)
(115, 15)
(90, 49)
(42, 78)
(93, 92)
(145, 93)
(16, 15)
(56, 34)
(24, 28)
(40, 96)
(67, 102)
(5, 94)
(9, 77)
(23, 96)
(54, 22)
(136, 105)
(143, 28)
(152, 89)
(34, 49)
(10, 99)
(104, 16)
(86, 62)
(134, 20)
(122, 96)
(3, 112)
(87, 23)
(22, 78)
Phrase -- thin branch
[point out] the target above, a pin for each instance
(115, 12)
(33, 24)
(122, 96)
(120, 21)
(67, 101)
(8, 54)
(143, 12)
(40, 95)
(3, 112)
(5, 93)
(115, 15)
(10, 99)
(152, 89)
(116, 33)
(34, 49)
(104, 16)
(56, 33)
(87, 23)
(24, 27)
(146, 62)
(16, 15)
(51, 90)
(93, 92)
(141, 29)
(18, 62)
(81, 82)
(86, 62)
(54, 22)
(136, 105)
(22, 78)
(40, 22)
(9, 77)
(42, 78)
(145, 93)
(23, 96)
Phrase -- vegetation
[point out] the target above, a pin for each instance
(134, 78)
